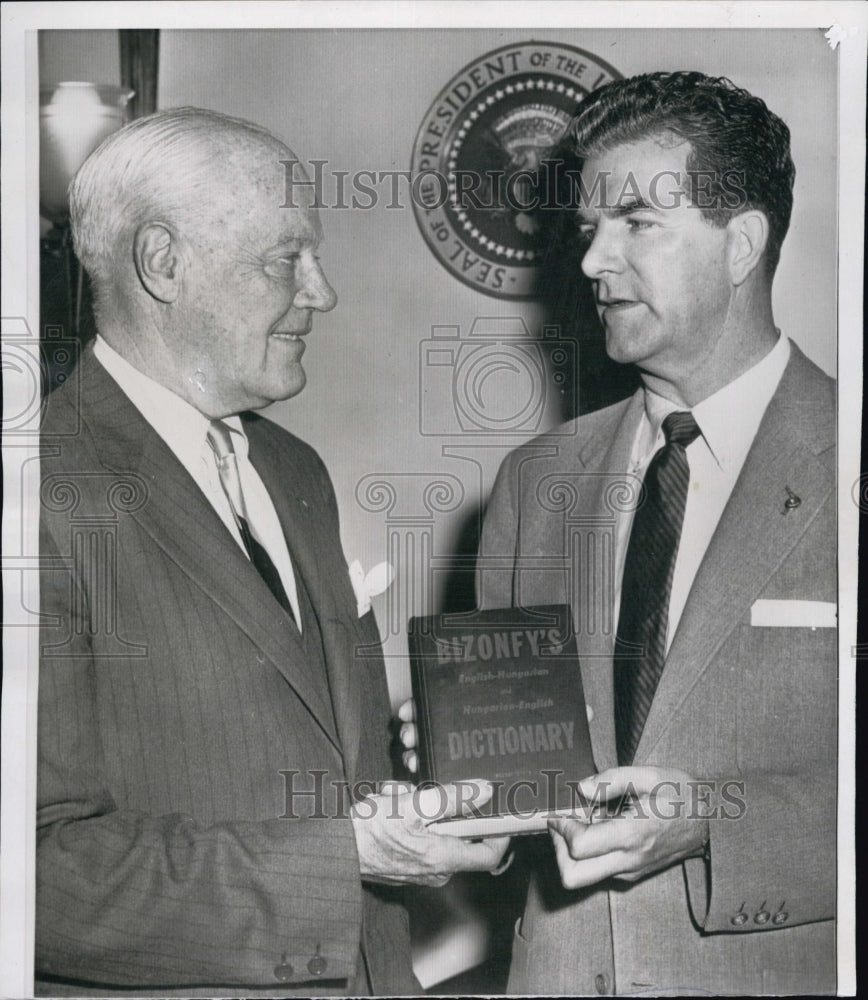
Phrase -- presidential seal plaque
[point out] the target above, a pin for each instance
(480, 158)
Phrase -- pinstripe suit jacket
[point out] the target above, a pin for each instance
(735, 702)
(173, 693)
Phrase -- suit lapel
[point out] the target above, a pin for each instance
(752, 540)
(339, 646)
(187, 528)
(583, 529)
(607, 494)
(312, 551)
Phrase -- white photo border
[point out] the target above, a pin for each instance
(846, 22)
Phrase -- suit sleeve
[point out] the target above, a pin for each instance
(126, 898)
(771, 859)
(772, 865)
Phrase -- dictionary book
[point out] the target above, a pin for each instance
(499, 696)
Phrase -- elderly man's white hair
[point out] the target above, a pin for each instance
(158, 168)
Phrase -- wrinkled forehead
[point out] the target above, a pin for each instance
(634, 172)
(261, 187)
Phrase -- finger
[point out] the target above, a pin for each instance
(408, 735)
(579, 874)
(482, 855)
(614, 782)
(407, 711)
(454, 799)
(567, 827)
(586, 841)
(566, 832)
(392, 788)
(411, 760)
(562, 851)
(504, 864)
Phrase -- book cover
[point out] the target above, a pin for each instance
(499, 696)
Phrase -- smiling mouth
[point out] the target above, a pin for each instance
(290, 336)
(616, 303)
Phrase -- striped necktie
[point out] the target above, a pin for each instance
(220, 440)
(640, 645)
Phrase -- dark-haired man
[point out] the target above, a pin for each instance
(707, 639)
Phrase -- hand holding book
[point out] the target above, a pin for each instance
(396, 840)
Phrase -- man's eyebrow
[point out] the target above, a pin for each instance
(630, 204)
(292, 244)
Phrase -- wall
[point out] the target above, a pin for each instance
(79, 55)
(356, 98)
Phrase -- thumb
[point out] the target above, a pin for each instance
(616, 781)
(455, 799)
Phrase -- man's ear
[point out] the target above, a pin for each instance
(748, 237)
(158, 264)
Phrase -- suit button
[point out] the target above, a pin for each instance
(780, 917)
(283, 972)
(739, 920)
(762, 917)
(602, 983)
(317, 965)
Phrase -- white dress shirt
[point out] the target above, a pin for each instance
(728, 421)
(185, 430)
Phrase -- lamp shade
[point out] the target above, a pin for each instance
(73, 119)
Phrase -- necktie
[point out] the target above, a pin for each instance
(640, 645)
(220, 440)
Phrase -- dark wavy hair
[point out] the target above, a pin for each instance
(739, 149)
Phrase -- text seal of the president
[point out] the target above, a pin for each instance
(480, 153)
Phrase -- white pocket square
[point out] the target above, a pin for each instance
(794, 614)
(369, 585)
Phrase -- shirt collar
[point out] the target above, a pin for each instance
(729, 419)
(179, 423)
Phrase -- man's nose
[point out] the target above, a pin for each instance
(314, 291)
(603, 254)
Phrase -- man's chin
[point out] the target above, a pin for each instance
(625, 349)
(292, 384)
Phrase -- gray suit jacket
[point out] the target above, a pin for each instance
(175, 700)
(736, 702)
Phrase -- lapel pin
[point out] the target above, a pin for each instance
(792, 501)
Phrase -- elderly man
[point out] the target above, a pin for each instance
(709, 863)
(213, 710)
